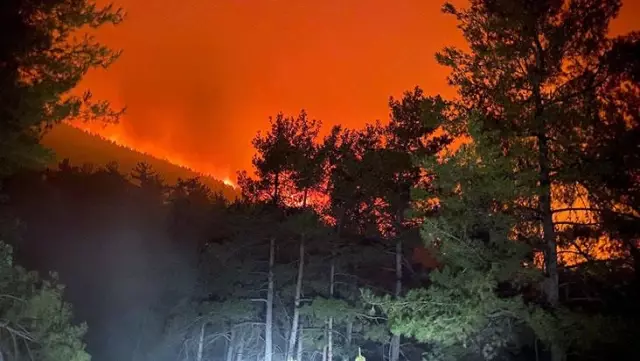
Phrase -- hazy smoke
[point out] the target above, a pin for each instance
(200, 77)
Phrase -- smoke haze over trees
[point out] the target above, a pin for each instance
(499, 226)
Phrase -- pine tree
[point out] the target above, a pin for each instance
(147, 178)
(282, 161)
(42, 58)
(474, 304)
(611, 176)
(40, 63)
(36, 321)
(534, 74)
(354, 174)
(407, 136)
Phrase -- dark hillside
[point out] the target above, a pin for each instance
(81, 147)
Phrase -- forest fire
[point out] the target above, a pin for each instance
(493, 214)
(123, 140)
(203, 107)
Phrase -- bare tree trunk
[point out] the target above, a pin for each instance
(395, 339)
(325, 348)
(332, 275)
(300, 346)
(296, 310)
(548, 229)
(551, 254)
(349, 340)
(268, 335)
(240, 355)
(552, 287)
(201, 342)
(232, 342)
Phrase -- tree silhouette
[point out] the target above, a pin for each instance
(39, 64)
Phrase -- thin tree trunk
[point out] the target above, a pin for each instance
(230, 348)
(300, 346)
(240, 355)
(326, 336)
(201, 342)
(268, 336)
(296, 310)
(551, 255)
(348, 341)
(330, 325)
(395, 339)
(548, 230)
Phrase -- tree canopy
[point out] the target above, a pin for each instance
(49, 51)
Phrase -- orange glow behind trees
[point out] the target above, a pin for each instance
(200, 78)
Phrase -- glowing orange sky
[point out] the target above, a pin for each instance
(201, 77)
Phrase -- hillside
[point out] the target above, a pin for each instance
(81, 147)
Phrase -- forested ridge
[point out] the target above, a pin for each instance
(501, 225)
(82, 148)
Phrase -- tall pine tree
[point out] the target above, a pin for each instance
(532, 94)
(42, 60)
